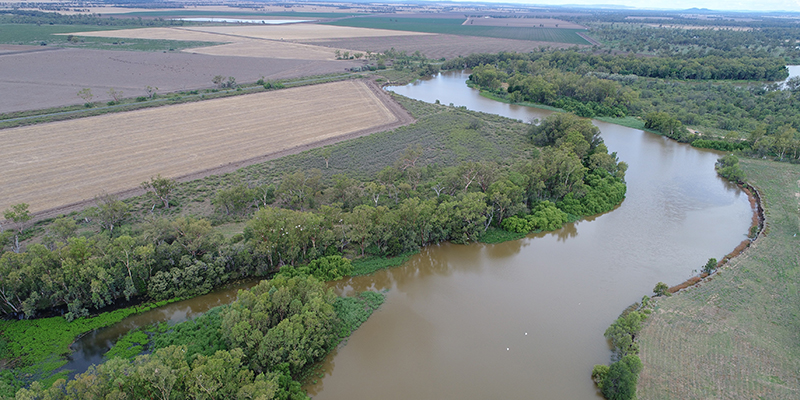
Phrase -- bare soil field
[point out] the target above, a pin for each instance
(158, 33)
(301, 32)
(524, 23)
(735, 335)
(238, 45)
(52, 166)
(269, 49)
(53, 78)
(437, 46)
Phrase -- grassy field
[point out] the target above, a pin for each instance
(738, 335)
(60, 163)
(29, 34)
(454, 27)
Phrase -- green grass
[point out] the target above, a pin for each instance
(36, 347)
(30, 34)
(738, 333)
(496, 235)
(370, 264)
(200, 335)
(354, 311)
(129, 346)
(453, 26)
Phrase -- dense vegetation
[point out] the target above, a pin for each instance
(618, 381)
(53, 18)
(254, 348)
(758, 39)
(303, 220)
(708, 67)
(406, 206)
(761, 119)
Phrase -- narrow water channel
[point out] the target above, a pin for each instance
(522, 319)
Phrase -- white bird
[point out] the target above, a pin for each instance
(526, 333)
(506, 348)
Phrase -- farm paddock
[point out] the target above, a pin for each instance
(64, 165)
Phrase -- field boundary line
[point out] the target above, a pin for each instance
(401, 115)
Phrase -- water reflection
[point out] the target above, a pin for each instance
(522, 319)
(455, 320)
(89, 349)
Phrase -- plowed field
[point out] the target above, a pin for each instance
(64, 163)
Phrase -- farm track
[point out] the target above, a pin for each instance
(79, 159)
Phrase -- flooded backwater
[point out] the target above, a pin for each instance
(522, 319)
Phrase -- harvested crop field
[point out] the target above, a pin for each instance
(524, 23)
(299, 32)
(269, 49)
(278, 41)
(54, 165)
(437, 46)
(293, 32)
(736, 335)
(53, 78)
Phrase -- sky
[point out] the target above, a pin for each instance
(736, 5)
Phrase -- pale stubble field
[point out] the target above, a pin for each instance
(54, 165)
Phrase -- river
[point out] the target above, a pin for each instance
(523, 319)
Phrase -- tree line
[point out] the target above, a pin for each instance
(53, 18)
(759, 119)
(303, 218)
(709, 67)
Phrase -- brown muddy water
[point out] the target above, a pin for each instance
(522, 319)
(525, 319)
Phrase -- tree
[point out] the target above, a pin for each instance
(222, 83)
(409, 158)
(19, 216)
(60, 231)
(728, 168)
(326, 155)
(620, 380)
(554, 129)
(234, 201)
(599, 373)
(623, 331)
(710, 266)
(160, 187)
(151, 91)
(110, 212)
(661, 289)
(115, 94)
(86, 95)
(283, 320)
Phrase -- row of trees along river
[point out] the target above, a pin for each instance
(523, 318)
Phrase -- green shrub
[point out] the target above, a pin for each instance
(620, 381)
